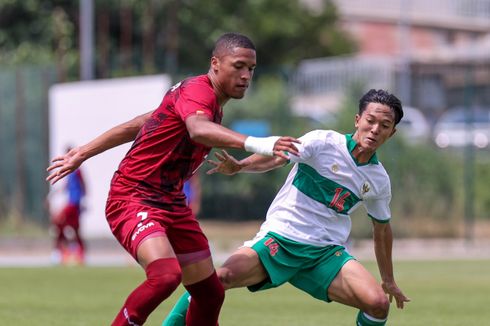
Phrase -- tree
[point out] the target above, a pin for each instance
(174, 36)
(38, 32)
(283, 31)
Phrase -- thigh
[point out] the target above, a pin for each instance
(326, 264)
(132, 223)
(154, 248)
(242, 268)
(191, 247)
(354, 286)
(72, 215)
(279, 257)
(187, 238)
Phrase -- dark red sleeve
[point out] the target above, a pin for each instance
(196, 98)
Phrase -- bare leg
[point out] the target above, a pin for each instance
(356, 287)
(242, 268)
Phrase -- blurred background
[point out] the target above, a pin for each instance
(72, 69)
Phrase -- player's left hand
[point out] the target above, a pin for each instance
(286, 144)
(226, 164)
(393, 290)
(64, 164)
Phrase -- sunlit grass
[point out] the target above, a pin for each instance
(443, 293)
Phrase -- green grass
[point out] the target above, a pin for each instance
(443, 293)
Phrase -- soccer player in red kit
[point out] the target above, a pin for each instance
(146, 208)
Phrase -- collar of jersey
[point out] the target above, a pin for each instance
(351, 144)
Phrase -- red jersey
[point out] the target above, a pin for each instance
(163, 156)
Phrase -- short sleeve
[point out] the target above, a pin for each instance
(378, 208)
(196, 98)
(310, 144)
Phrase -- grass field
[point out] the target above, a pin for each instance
(442, 292)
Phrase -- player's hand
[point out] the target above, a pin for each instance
(393, 290)
(64, 164)
(226, 164)
(286, 144)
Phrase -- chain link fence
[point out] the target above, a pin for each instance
(24, 138)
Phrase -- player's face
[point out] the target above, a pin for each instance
(234, 71)
(374, 126)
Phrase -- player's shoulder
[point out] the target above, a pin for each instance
(324, 136)
(199, 86)
(197, 82)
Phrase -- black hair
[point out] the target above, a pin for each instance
(229, 41)
(382, 97)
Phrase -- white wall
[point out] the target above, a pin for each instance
(80, 111)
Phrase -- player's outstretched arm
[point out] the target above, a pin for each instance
(65, 164)
(211, 134)
(383, 243)
(228, 165)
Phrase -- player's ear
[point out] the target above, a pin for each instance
(356, 121)
(214, 63)
(393, 131)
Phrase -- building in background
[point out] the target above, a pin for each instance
(431, 53)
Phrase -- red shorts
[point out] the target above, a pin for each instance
(133, 222)
(69, 216)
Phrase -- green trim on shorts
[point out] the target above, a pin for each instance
(307, 267)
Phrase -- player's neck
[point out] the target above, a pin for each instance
(218, 90)
(361, 154)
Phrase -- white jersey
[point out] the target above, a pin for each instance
(325, 185)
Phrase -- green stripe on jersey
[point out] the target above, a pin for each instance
(324, 190)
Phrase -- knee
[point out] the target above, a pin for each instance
(208, 292)
(165, 280)
(226, 277)
(378, 306)
(164, 275)
(214, 292)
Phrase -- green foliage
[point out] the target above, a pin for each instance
(268, 99)
(482, 193)
(349, 108)
(180, 33)
(34, 31)
(24, 140)
(283, 32)
(419, 178)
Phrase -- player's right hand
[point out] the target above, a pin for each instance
(64, 164)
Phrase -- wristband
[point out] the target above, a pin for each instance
(261, 145)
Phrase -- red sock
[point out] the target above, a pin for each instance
(206, 299)
(162, 278)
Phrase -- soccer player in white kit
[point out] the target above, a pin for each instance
(307, 225)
